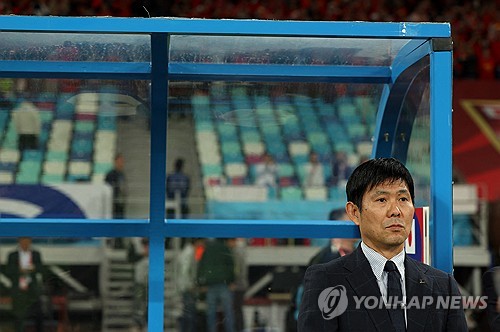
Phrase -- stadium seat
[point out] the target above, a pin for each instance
(102, 168)
(234, 170)
(87, 103)
(364, 148)
(291, 193)
(211, 170)
(8, 167)
(250, 136)
(6, 177)
(315, 193)
(32, 155)
(98, 177)
(52, 178)
(30, 167)
(204, 125)
(286, 170)
(54, 167)
(10, 139)
(337, 193)
(209, 156)
(58, 145)
(84, 126)
(253, 148)
(106, 123)
(64, 111)
(227, 132)
(27, 178)
(276, 148)
(357, 131)
(79, 168)
(104, 156)
(9, 155)
(299, 148)
(56, 156)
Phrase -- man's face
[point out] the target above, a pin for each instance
(386, 216)
(25, 243)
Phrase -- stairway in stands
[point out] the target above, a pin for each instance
(118, 292)
(117, 282)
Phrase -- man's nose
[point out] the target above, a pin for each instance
(394, 210)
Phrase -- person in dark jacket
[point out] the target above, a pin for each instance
(491, 288)
(178, 184)
(117, 180)
(25, 271)
(216, 276)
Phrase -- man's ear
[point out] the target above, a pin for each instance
(353, 212)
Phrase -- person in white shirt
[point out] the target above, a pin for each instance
(266, 173)
(315, 175)
(26, 117)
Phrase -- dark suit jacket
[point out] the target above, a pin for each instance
(491, 291)
(355, 274)
(21, 300)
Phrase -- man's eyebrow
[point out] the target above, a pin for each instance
(385, 192)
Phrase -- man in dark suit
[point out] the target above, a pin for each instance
(491, 288)
(366, 290)
(25, 271)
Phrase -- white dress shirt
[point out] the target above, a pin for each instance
(377, 262)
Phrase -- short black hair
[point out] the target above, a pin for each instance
(179, 164)
(374, 172)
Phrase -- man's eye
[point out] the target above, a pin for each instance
(381, 199)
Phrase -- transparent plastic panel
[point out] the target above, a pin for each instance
(284, 50)
(268, 150)
(74, 47)
(59, 143)
(418, 160)
(260, 281)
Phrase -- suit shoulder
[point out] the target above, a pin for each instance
(325, 267)
(429, 270)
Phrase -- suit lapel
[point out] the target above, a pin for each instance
(418, 286)
(364, 283)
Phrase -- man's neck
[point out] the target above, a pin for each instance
(388, 253)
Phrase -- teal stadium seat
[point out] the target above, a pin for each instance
(56, 156)
(23, 178)
(32, 155)
(102, 168)
(211, 170)
(291, 193)
(337, 194)
(84, 126)
(250, 136)
(52, 178)
(286, 170)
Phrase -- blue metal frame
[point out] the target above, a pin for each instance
(159, 71)
(441, 160)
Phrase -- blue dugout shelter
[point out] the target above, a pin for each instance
(405, 67)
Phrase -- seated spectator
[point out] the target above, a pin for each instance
(266, 173)
(315, 176)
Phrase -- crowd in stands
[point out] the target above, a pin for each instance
(475, 27)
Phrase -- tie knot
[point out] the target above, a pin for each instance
(390, 266)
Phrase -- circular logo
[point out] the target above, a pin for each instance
(332, 301)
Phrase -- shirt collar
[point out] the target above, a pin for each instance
(377, 261)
